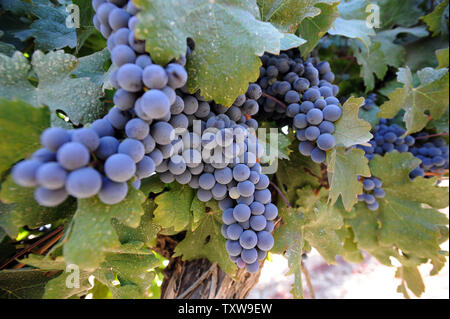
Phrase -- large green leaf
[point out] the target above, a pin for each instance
(354, 29)
(401, 13)
(206, 241)
(288, 14)
(21, 209)
(351, 130)
(77, 97)
(312, 29)
(92, 234)
(93, 67)
(19, 143)
(228, 40)
(174, 207)
(372, 63)
(437, 21)
(343, 169)
(430, 96)
(49, 29)
(23, 283)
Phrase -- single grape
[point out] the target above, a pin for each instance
(234, 231)
(271, 211)
(120, 167)
(50, 198)
(263, 182)
(102, 127)
(107, 146)
(129, 77)
(252, 268)
(249, 239)
(257, 208)
(73, 155)
(163, 133)
(332, 113)
(133, 148)
(124, 100)
(118, 18)
(265, 240)
(326, 141)
(117, 118)
(84, 182)
(258, 223)
(227, 216)
(249, 256)
(51, 175)
(306, 148)
(314, 116)
(207, 181)
(154, 77)
(203, 194)
(137, 129)
(53, 138)
(24, 173)
(44, 155)
(233, 247)
(312, 133)
(122, 54)
(111, 192)
(145, 168)
(317, 155)
(177, 75)
(241, 212)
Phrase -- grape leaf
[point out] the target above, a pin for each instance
(132, 271)
(343, 168)
(402, 13)
(350, 130)
(289, 241)
(372, 63)
(93, 67)
(313, 222)
(147, 230)
(430, 96)
(18, 144)
(436, 20)
(174, 207)
(21, 209)
(92, 233)
(354, 29)
(78, 98)
(49, 30)
(217, 28)
(289, 41)
(312, 29)
(370, 116)
(395, 54)
(442, 57)
(287, 15)
(206, 241)
(23, 283)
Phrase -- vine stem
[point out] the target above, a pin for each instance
(198, 282)
(308, 279)
(281, 194)
(37, 243)
(270, 97)
(429, 136)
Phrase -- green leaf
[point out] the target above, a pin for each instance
(350, 130)
(206, 241)
(78, 98)
(354, 29)
(290, 41)
(226, 33)
(403, 216)
(49, 30)
(402, 13)
(20, 143)
(412, 278)
(21, 209)
(395, 54)
(287, 15)
(442, 57)
(93, 67)
(92, 233)
(436, 20)
(372, 61)
(152, 184)
(174, 207)
(273, 152)
(370, 116)
(146, 232)
(343, 168)
(23, 283)
(430, 96)
(312, 29)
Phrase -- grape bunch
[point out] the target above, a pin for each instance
(302, 93)
(369, 101)
(372, 189)
(386, 138)
(68, 164)
(433, 154)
